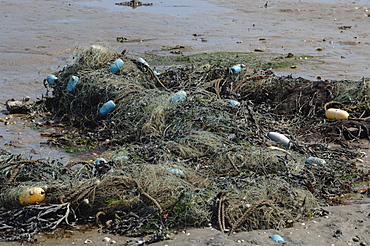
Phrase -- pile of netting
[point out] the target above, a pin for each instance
(189, 146)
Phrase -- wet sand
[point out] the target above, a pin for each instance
(39, 36)
(343, 225)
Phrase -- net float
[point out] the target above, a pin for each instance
(178, 96)
(107, 107)
(237, 68)
(72, 83)
(142, 61)
(116, 66)
(280, 138)
(234, 103)
(315, 161)
(32, 196)
(176, 171)
(100, 161)
(336, 114)
(51, 78)
(277, 238)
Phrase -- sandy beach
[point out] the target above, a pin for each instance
(40, 36)
(342, 225)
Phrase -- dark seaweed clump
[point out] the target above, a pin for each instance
(204, 159)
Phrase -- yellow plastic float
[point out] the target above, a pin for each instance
(32, 196)
(336, 114)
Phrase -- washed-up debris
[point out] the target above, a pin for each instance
(237, 68)
(26, 222)
(116, 65)
(107, 107)
(31, 196)
(277, 238)
(336, 114)
(178, 96)
(72, 83)
(315, 161)
(280, 138)
(199, 160)
(134, 4)
(20, 106)
(51, 79)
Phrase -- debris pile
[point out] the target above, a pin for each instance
(188, 145)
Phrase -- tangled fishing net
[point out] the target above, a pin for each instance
(176, 162)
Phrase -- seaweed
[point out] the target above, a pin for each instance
(206, 158)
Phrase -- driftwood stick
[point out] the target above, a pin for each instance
(221, 211)
(232, 162)
(152, 199)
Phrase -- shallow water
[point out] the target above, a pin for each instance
(38, 37)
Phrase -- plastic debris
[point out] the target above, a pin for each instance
(336, 114)
(100, 161)
(234, 103)
(116, 66)
(237, 68)
(277, 238)
(51, 78)
(142, 61)
(280, 138)
(124, 157)
(315, 161)
(72, 83)
(176, 171)
(101, 167)
(107, 107)
(32, 196)
(178, 96)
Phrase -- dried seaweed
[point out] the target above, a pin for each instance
(205, 159)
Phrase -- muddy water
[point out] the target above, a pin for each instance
(38, 37)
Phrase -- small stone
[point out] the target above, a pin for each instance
(87, 241)
(356, 239)
(259, 50)
(338, 234)
(106, 239)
